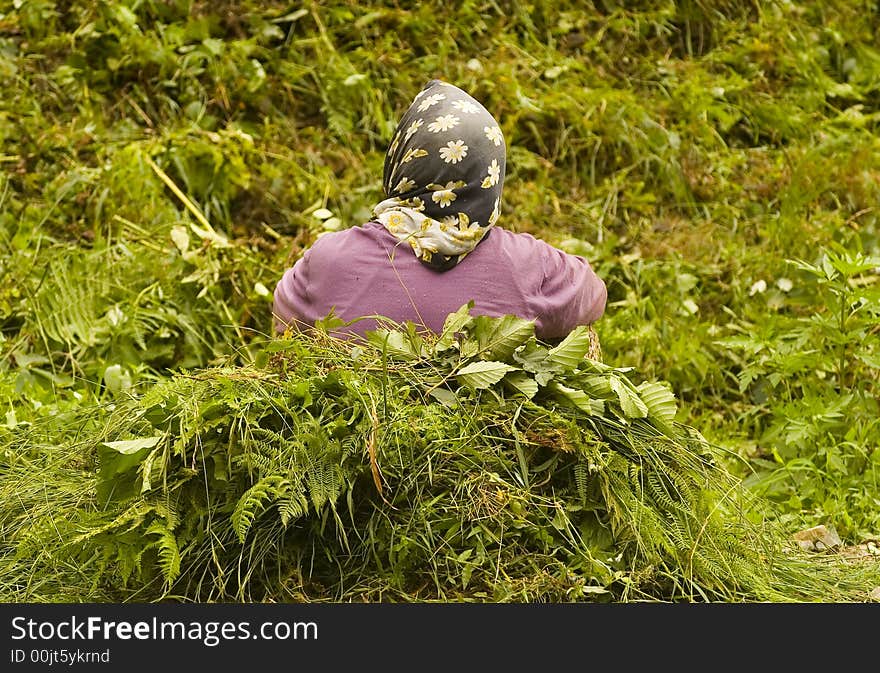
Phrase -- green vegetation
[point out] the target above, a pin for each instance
(718, 163)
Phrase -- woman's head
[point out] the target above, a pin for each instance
(443, 175)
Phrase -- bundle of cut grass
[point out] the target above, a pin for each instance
(478, 465)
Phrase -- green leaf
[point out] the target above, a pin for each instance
(394, 343)
(599, 386)
(534, 358)
(483, 374)
(630, 402)
(523, 383)
(659, 400)
(578, 398)
(573, 348)
(129, 446)
(499, 337)
(454, 324)
(445, 397)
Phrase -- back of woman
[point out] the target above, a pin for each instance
(433, 244)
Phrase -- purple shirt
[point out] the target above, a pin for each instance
(365, 271)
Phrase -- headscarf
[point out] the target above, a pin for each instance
(443, 175)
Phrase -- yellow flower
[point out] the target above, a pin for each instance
(415, 126)
(404, 185)
(415, 203)
(444, 195)
(433, 99)
(413, 153)
(454, 151)
(494, 134)
(494, 174)
(496, 212)
(443, 123)
(465, 106)
(394, 144)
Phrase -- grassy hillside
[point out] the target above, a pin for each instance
(718, 162)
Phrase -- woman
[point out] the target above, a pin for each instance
(433, 245)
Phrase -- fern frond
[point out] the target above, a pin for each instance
(169, 553)
(256, 499)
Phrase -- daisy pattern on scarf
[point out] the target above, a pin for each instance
(394, 144)
(415, 126)
(494, 173)
(496, 213)
(415, 203)
(433, 99)
(465, 106)
(395, 220)
(454, 151)
(413, 153)
(493, 133)
(448, 221)
(444, 195)
(404, 185)
(443, 123)
(444, 176)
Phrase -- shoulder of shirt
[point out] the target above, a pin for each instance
(514, 237)
(527, 244)
(344, 237)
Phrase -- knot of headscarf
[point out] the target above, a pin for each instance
(443, 175)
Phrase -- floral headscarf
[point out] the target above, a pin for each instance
(443, 175)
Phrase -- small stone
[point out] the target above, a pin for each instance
(818, 538)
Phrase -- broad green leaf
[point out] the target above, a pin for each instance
(573, 348)
(499, 337)
(483, 374)
(659, 400)
(598, 386)
(533, 358)
(393, 342)
(630, 402)
(578, 398)
(544, 377)
(454, 324)
(444, 396)
(129, 446)
(523, 383)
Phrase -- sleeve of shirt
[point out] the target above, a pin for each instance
(571, 293)
(291, 296)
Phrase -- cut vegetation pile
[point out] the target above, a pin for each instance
(477, 465)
